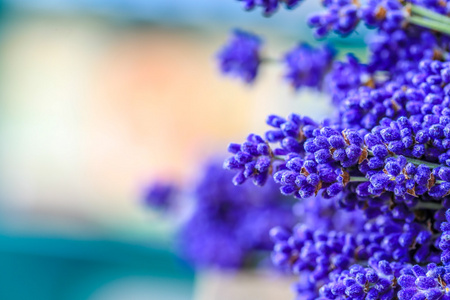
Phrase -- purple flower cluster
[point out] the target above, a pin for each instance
(340, 16)
(269, 6)
(367, 106)
(256, 159)
(440, 214)
(322, 252)
(318, 252)
(160, 195)
(345, 76)
(228, 223)
(418, 283)
(399, 51)
(326, 258)
(387, 15)
(329, 161)
(304, 65)
(307, 66)
(343, 16)
(240, 57)
(253, 158)
(322, 214)
(444, 243)
(378, 281)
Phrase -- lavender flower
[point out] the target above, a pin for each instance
(269, 6)
(323, 253)
(398, 51)
(256, 159)
(229, 223)
(327, 215)
(387, 15)
(340, 16)
(240, 57)
(307, 66)
(315, 251)
(328, 159)
(253, 158)
(418, 283)
(444, 243)
(378, 281)
(160, 195)
(347, 76)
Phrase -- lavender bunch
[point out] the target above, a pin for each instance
(381, 162)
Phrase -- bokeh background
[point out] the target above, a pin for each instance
(100, 97)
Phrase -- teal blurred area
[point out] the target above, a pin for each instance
(200, 14)
(62, 268)
(49, 250)
(99, 97)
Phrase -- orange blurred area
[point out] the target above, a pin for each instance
(94, 111)
(163, 88)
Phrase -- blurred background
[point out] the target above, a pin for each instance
(100, 97)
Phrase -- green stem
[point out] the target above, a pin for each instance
(269, 60)
(278, 157)
(424, 12)
(421, 162)
(414, 161)
(358, 179)
(428, 205)
(430, 24)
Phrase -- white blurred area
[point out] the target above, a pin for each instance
(92, 110)
(243, 285)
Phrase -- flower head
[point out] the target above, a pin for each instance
(307, 66)
(240, 57)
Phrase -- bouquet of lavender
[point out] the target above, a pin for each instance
(384, 155)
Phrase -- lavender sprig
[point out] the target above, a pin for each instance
(240, 57)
